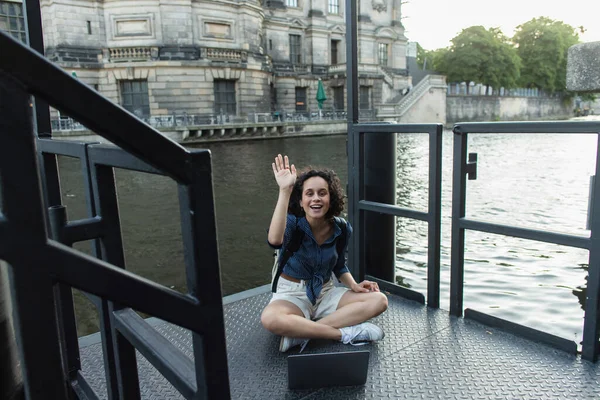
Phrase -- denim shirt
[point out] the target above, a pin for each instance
(313, 263)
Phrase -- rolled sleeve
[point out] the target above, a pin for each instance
(290, 226)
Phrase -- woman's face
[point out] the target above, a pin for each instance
(315, 197)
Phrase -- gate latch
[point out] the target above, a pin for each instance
(471, 167)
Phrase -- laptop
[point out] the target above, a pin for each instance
(311, 371)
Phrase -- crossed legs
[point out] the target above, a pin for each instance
(284, 318)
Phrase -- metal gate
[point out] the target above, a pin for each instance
(35, 239)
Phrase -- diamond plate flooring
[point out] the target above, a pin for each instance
(426, 354)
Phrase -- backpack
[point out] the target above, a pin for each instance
(294, 245)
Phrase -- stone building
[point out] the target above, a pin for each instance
(232, 58)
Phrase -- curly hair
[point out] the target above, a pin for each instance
(336, 193)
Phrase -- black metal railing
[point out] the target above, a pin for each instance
(35, 235)
(467, 167)
(361, 203)
(358, 205)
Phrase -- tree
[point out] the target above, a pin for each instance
(482, 55)
(421, 56)
(435, 60)
(542, 45)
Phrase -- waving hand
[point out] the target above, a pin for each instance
(285, 175)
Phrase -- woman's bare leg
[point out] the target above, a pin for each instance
(355, 308)
(284, 318)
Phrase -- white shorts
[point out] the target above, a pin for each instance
(295, 293)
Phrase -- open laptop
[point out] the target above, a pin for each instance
(311, 371)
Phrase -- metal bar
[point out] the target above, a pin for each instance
(523, 331)
(50, 179)
(83, 389)
(62, 148)
(175, 366)
(351, 191)
(116, 157)
(33, 308)
(67, 328)
(90, 201)
(397, 128)
(398, 290)
(83, 229)
(126, 365)
(528, 127)
(65, 309)
(352, 60)
(108, 345)
(356, 249)
(35, 37)
(105, 280)
(105, 316)
(359, 154)
(525, 233)
(25, 235)
(41, 112)
(366, 205)
(457, 260)
(94, 111)
(434, 210)
(203, 273)
(354, 261)
(591, 325)
(106, 206)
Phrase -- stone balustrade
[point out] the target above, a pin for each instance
(336, 69)
(211, 53)
(132, 53)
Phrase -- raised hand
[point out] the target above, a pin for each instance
(285, 175)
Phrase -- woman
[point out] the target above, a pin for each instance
(306, 304)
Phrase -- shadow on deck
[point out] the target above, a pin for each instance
(426, 354)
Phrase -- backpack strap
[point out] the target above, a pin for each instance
(341, 242)
(291, 248)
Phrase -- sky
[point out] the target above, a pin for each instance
(433, 23)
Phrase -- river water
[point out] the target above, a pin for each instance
(536, 181)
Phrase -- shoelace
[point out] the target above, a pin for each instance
(358, 344)
(304, 345)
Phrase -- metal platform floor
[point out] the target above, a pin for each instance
(426, 354)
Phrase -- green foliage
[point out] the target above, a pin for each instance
(535, 57)
(421, 55)
(587, 96)
(436, 60)
(482, 55)
(542, 45)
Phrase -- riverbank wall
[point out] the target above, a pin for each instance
(499, 108)
(232, 132)
(458, 109)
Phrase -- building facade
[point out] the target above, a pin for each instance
(222, 58)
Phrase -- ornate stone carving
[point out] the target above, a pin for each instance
(379, 5)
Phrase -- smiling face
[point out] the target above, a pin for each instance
(315, 197)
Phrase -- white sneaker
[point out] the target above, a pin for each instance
(287, 343)
(365, 332)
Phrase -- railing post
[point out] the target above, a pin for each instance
(591, 325)
(459, 188)
(65, 309)
(201, 254)
(120, 362)
(435, 217)
(31, 284)
(12, 379)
